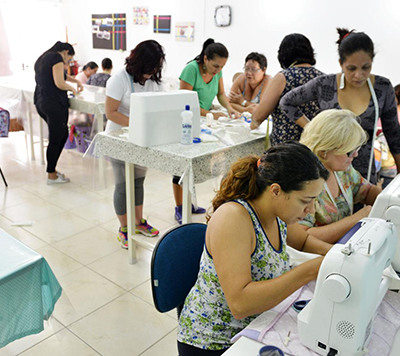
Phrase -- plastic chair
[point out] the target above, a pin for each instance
(175, 265)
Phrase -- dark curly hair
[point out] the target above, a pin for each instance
(295, 49)
(147, 57)
(290, 164)
(350, 42)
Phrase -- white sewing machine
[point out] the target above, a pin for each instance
(349, 289)
(350, 285)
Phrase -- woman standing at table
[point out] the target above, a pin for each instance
(297, 59)
(244, 268)
(204, 76)
(142, 73)
(367, 95)
(52, 104)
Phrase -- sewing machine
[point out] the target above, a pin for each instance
(350, 285)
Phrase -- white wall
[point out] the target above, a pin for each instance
(257, 25)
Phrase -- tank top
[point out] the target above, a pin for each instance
(206, 321)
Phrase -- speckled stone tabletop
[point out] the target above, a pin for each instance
(201, 161)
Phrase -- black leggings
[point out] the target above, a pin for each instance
(188, 350)
(56, 117)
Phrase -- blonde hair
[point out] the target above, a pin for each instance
(338, 130)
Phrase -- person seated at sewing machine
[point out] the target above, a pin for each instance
(245, 268)
(336, 136)
(248, 88)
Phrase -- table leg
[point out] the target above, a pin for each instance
(41, 140)
(187, 201)
(30, 129)
(130, 208)
(100, 128)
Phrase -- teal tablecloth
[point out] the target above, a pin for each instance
(28, 290)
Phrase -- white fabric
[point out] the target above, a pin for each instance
(119, 87)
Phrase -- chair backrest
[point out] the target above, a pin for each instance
(175, 265)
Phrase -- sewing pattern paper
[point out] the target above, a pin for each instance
(140, 15)
(184, 31)
(109, 31)
(162, 23)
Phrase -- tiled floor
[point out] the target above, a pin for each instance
(106, 307)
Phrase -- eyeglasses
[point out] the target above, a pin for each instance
(353, 153)
(252, 70)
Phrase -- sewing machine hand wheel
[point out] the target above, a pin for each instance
(337, 288)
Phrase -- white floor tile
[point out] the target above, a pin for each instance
(27, 238)
(167, 346)
(126, 326)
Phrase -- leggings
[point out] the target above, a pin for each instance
(120, 187)
(56, 117)
(189, 350)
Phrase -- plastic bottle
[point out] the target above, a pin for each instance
(187, 126)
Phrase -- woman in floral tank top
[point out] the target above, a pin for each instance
(244, 268)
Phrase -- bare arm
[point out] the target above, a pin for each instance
(333, 232)
(223, 100)
(231, 241)
(372, 194)
(74, 80)
(58, 75)
(113, 114)
(298, 238)
(186, 86)
(397, 160)
(269, 100)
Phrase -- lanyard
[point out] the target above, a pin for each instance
(345, 195)
(131, 81)
(376, 106)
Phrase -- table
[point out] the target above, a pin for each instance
(28, 290)
(195, 164)
(22, 88)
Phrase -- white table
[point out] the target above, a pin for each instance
(196, 164)
(21, 88)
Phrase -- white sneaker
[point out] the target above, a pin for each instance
(59, 180)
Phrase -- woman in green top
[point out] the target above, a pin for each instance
(204, 76)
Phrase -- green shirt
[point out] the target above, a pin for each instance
(206, 92)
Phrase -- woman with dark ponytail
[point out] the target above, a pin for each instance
(367, 95)
(244, 268)
(51, 102)
(204, 75)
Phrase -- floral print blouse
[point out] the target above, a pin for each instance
(206, 321)
(326, 212)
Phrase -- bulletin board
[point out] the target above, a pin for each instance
(109, 31)
(162, 23)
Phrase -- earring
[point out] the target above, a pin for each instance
(341, 86)
(204, 69)
(325, 155)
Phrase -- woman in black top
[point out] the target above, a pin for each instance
(51, 102)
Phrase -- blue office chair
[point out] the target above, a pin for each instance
(175, 265)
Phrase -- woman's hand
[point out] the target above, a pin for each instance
(73, 90)
(364, 212)
(217, 115)
(236, 98)
(234, 114)
(80, 86)
(254, 125)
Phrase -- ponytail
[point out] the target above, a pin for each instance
(211, 49)
(350, 42)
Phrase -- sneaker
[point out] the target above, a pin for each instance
(198, 210)
(146, 229)
(178, 214)
(59, 180)
(123, 238)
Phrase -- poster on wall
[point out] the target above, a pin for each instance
(162, 23)
(109, 31)
(140, 15)
(184, 31)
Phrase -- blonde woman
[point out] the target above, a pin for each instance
(336, 136)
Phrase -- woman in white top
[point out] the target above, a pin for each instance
(142, 73)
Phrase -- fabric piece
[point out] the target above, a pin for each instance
(206, 321)
(356, 188)
(27, 297)
(324, 89)
(385, 326)
(119, 87)
(205, 91)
